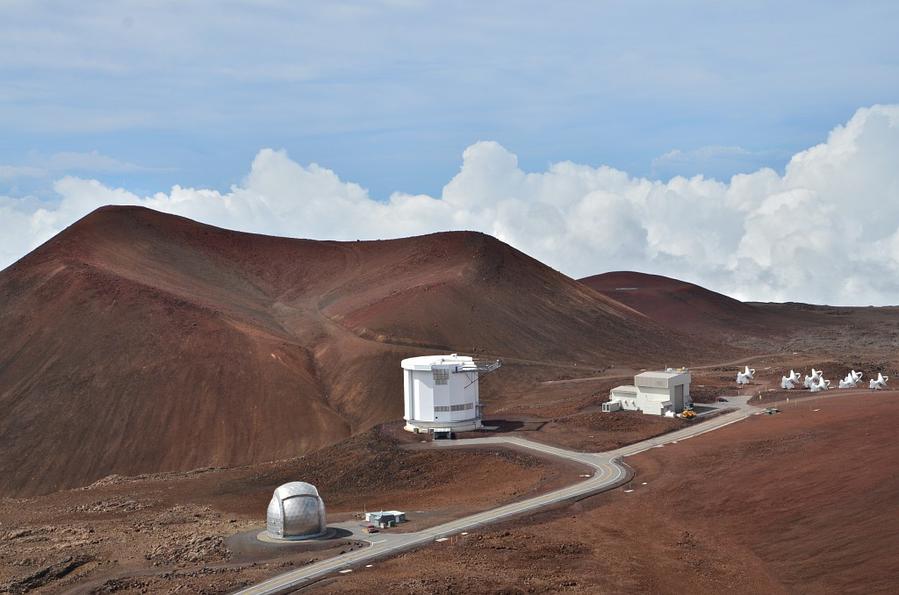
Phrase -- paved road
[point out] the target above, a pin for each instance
(608, 473)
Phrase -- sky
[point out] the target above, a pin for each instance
(751, 147)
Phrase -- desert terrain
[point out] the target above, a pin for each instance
(139, 342)
(197, 530)
(800, 502)
(162, 377)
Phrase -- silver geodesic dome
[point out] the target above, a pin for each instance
(296, 511)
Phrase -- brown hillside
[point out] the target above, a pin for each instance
(137, 342)
(801, 502)
(681, 305)
(752, 326)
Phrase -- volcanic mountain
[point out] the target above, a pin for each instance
(136, 342)
(680, 305)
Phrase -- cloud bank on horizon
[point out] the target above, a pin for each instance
(826, 231)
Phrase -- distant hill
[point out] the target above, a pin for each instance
(679, 305)
(136, 341)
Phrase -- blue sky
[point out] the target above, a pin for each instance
(389, 94)
(396, 99)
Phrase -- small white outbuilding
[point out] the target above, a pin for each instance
(441, 392)
(389, 516)
(653, 393)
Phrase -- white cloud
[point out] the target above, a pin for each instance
(712, 161)
(38, 165)
(10, 172)
(87, 161)
(827, 230)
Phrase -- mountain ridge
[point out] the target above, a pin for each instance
(144, 342)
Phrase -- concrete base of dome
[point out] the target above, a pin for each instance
(424, 427)
(267, 537)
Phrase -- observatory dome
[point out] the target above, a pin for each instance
(296, 511)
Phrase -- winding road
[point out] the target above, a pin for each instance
(609, 473)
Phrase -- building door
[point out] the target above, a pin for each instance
(679, 398)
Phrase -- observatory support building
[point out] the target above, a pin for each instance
(441, 392)
(654, 393)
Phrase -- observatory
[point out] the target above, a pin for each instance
(745, 376)
(441, 392)
(654, 393)
(814, 379)
(819, 385)
(880, 383)
(851, 379)
(789, 382)
(296, 511)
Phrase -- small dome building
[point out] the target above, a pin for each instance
(296, 511)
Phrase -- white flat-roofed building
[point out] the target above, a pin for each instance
(653, 393)
(441, 392)
(397, 516)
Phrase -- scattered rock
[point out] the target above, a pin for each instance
(196, 549)
(112, 505)
(46, 574)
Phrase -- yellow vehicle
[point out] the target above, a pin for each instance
(688, 414)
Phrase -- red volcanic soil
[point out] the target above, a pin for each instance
(800, 502)
(137, 342)
(195, 531)
(785, 329)
(675, 303)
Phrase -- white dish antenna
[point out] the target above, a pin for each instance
(813, 379)
(880, 383)
(816, 381)
(790, 382)
(851, 379)
(820, 385)
(745, 376)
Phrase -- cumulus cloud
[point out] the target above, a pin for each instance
(825, 231)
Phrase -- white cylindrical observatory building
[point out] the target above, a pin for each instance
(441, 392)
